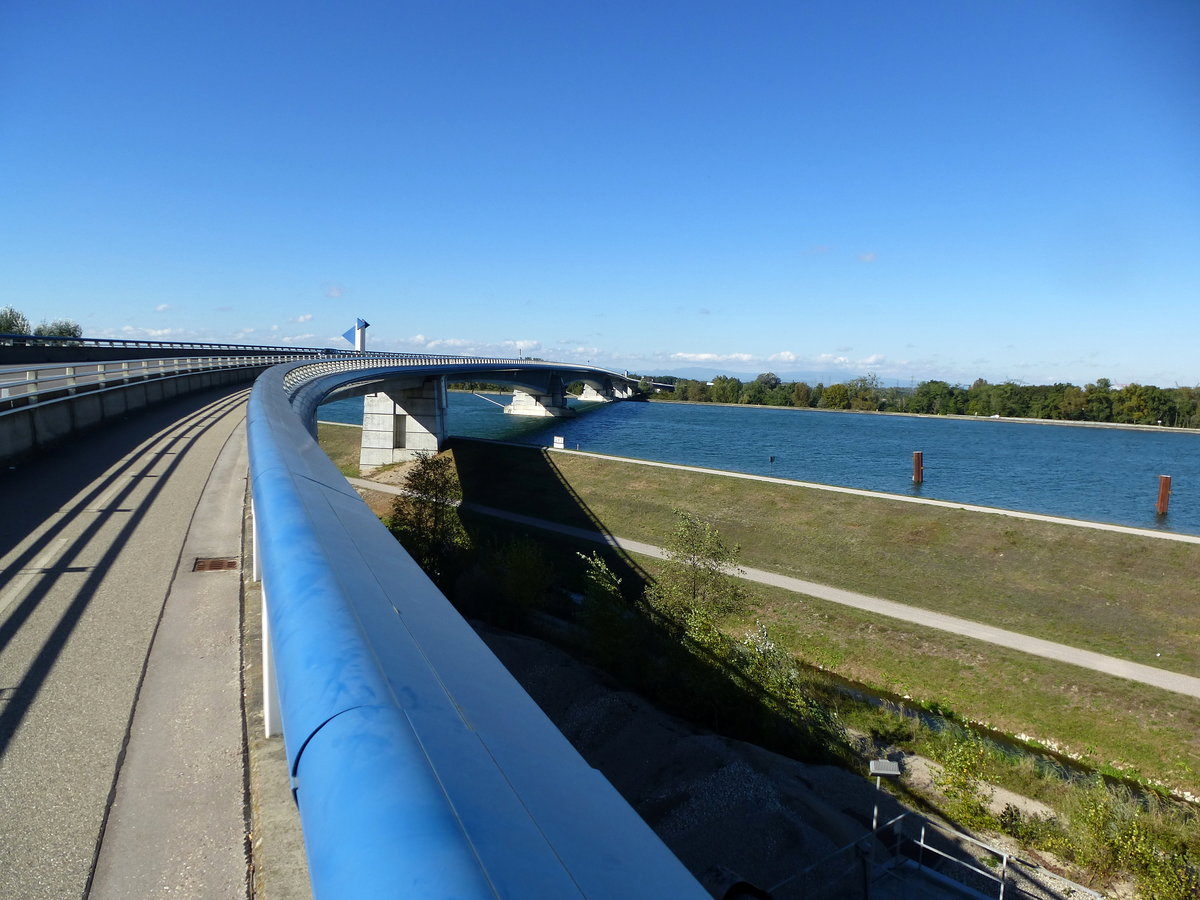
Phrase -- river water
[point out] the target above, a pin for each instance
(1096, 474)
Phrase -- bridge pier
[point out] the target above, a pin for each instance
(400, 423)
(591, 395)
(525, 403)
(622, 390)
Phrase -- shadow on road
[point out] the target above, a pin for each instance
(96, 478)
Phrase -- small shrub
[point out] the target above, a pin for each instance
(962, 762)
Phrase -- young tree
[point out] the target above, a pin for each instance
(425, 519)
(700, 575)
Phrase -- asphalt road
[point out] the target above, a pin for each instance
(121, 750)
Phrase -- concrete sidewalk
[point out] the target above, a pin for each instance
(121, 746)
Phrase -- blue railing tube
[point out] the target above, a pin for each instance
(421, 769)
(367, 793)
(363, 786)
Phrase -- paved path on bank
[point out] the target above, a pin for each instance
(1111, 665)
(121, 749)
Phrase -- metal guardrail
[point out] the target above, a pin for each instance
(25, 386)
(33, 340)
(917, 849)
(421, 768)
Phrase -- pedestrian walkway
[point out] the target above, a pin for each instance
(1098, 662)
(121, 746)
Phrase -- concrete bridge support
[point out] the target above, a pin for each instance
(622, 390)
(591, 395)
(525, 403)
(399, 423)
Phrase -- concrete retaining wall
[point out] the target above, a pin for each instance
(28, 430)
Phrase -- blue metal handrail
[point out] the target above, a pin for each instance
(421, 768)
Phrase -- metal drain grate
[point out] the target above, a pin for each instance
(215, 564)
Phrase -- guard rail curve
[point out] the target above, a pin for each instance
(420, 767)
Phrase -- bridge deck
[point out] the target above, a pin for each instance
(121, 748)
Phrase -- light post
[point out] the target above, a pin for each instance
(879, 768)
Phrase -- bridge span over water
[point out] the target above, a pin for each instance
(404, 406)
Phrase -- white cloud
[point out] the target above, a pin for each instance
(162, 307)
(307, 317)
(335, 291)
(786, 356)
(830, 359)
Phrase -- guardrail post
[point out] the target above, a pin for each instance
(272, 722)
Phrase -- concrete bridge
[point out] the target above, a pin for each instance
(417, 765)
(404, 406)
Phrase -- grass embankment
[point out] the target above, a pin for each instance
(1123, 595)
(341, 444)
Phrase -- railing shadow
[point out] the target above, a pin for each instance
(52, 493)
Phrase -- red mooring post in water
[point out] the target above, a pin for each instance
(918, 467)
(1164, 494)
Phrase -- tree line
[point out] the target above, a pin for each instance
(1101, 401)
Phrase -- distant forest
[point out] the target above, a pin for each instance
(1132, 404)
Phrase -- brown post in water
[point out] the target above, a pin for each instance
(1164, 494)
(918, 467)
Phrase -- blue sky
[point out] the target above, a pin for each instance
(954, 190)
